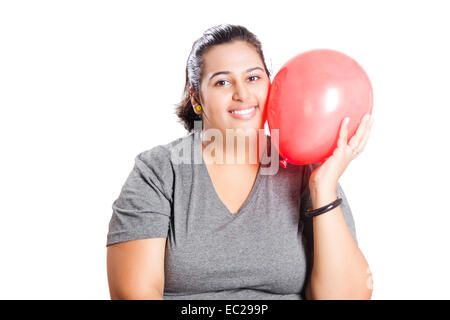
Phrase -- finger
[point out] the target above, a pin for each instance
(357, 137)
(363, 142)
(343, 133)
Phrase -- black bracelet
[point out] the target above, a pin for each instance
(312, 213)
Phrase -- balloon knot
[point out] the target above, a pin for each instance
(283, 163)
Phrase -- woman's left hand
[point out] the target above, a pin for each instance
(327, 175)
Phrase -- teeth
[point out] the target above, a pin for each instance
(244, 111)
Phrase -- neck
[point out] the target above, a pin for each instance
(245, 148)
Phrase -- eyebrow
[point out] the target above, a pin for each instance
(227, 72)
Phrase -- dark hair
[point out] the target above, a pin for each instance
(223, 33)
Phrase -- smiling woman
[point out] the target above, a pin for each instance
(225, 58)
(201, 229)
(229, 90)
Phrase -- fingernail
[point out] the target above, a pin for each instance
(347, 120)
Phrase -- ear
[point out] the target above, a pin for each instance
(194, 100)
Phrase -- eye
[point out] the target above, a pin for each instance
(219, 82)
(254, 77)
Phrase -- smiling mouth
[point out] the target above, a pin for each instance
(243, 111)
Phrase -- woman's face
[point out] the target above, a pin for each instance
(233, 78)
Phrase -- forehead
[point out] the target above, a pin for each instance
(236, 56)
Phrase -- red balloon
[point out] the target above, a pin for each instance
(308, 99)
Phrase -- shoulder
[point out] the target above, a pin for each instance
(161, 155)
(156, 162)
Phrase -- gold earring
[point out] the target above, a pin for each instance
(198, 107)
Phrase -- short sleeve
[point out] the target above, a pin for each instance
(144, 206)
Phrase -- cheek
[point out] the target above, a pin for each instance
(217, 101)
(262, 93)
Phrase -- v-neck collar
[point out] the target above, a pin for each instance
(212, 189)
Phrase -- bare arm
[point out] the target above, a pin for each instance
(340, 270)
(136, 269)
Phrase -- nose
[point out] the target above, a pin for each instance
(240, 92)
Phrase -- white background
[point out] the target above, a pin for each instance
(87, 85)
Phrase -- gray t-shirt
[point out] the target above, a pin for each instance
(264, 251)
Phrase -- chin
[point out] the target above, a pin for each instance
(254, 126)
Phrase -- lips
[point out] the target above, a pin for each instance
(244, 113)
(243, 108)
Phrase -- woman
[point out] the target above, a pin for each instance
(188, 225)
